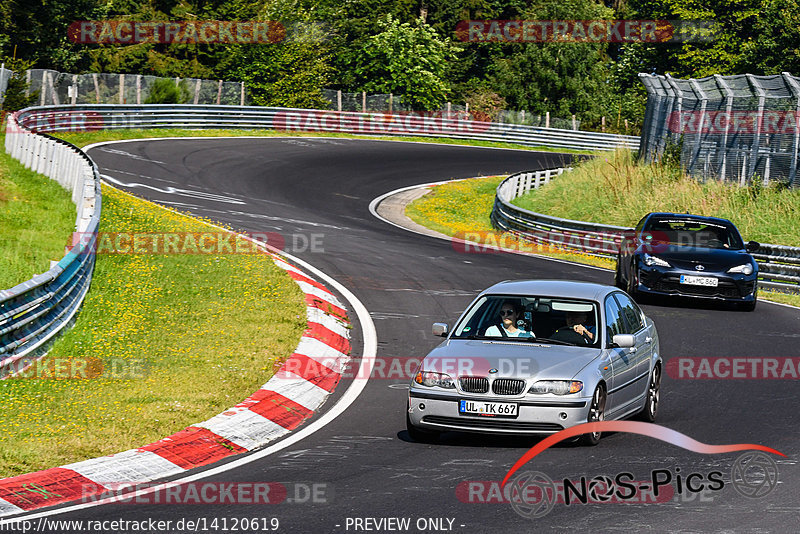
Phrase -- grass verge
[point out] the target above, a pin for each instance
(463, 207)
(85, 138)
(179, 338)
(37, 217)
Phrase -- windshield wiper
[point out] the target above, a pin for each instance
(554, 341)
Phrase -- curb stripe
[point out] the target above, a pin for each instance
(330, 338)
(245, 428)
(298, 277)
(46, 488)
(281, 410)
(134, 465)
(324, 295)
(316, 315)
(323, 354)
(193, 447)
(312, 370)
(325, 307)
(7, 508)
(298, 389)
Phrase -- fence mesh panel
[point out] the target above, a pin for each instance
(739, 129)
(97, 88)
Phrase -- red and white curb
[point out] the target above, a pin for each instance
(290, 397)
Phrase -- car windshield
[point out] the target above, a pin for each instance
(522, 319)
(693, 233)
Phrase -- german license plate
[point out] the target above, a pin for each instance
(699, 280)
(503, 409)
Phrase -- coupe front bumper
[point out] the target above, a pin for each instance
(666, 281)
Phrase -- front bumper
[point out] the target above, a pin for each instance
(663, 281)
(434, 410)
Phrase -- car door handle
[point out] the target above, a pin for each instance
(648, 339)
(631, 350)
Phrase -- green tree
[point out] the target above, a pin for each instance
(14, 97)
(562, 78)
(287, 75)
(733, 23)
(407, 59)
(776, 46)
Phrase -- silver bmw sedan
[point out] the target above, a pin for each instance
(535, 357)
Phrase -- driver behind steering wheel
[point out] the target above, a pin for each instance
(576, 322)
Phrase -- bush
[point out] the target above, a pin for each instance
(165, 91)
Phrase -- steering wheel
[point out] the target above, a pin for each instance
(567, 334)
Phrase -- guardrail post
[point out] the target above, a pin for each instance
(795, 88)
(96, 88)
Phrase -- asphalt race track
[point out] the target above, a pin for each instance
(314, 188)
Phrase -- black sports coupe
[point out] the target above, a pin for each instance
(688, 255)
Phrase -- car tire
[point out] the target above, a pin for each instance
(750, 306)
(630, 283)
(418, 434)
(618, 275)
(597, 412)
(653, 397)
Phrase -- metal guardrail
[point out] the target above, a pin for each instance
(439, 124)
(778, 265)
(32, 312)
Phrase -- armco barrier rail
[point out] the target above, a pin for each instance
(437, 124)
(778, 265)
(34, 311)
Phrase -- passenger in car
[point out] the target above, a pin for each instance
(509, 315)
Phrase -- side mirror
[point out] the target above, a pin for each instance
(752, 246)
(440, 329)
(624, 341)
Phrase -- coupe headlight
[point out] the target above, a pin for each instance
(430, 379)
(746, 268)
(556, 387)
(654, 260)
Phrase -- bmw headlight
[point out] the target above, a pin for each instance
(556, 387)
(654, 260)
(431, 379)
(745, 268)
